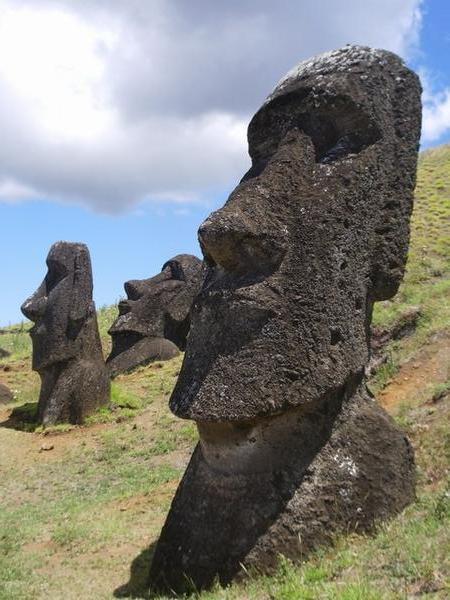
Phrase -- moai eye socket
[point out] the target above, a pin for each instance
(348, 130)
(57, 271)
(336, 125)
(176, 270)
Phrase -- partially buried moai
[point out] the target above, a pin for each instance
(293, 447)
(154, 321)
(67, 352)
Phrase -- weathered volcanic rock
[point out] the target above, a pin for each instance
(293, 448)
(67, 352)
(154, 321)
(6, 394)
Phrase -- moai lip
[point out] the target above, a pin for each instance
(293, 447)
(67, 352)
(154, 321)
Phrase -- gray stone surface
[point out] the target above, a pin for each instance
(293, 448)
(6, 394)
(154, 321)
(67, 352)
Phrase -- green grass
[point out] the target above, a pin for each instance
(123, 405)
(440, 390)
(132, 394)
(73, 506)
(408, 555)
(106, 315)
(65, 505)
(16, 341)
(386, 371)
(426, 282)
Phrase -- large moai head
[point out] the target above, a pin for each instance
(293, 448)
(315, 233)
(64, 333)
(154, 321)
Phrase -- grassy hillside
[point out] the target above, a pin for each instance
(81, 507)
(427, 281)
(428, 267)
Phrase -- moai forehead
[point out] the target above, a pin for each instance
(68, 256)
(315, 233)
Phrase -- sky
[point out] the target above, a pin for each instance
(124, 123)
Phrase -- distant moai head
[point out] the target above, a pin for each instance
(61, 305)
(154, 321)
(67, 351)
(315, 233)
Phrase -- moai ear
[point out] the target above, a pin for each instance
(81, 300)
(391, 235)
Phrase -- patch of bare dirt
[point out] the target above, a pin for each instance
(417, 377)
(24, 448)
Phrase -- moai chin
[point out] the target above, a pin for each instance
(154, 321)
(293, 447)
(67, 352)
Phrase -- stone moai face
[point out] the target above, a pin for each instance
(154, 321)
(65, 331)
(316, 232)
(292, 447)
(60, 305)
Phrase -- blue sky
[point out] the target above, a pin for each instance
(127, 246)
(136, 130)
(434, 51)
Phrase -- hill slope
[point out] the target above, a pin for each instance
(79, 504)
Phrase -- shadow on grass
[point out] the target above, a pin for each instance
(22, 418)
(138, 584)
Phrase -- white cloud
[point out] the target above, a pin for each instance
(436, 108)
(11, 190)
(436, 111)
(108, 103)
(50, 59)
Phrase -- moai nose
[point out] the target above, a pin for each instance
(34, 308)
(134, 289)
(230, 239)
(124, 307)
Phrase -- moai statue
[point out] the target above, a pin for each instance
(67, 352)
(154, 321)
(293, 447)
